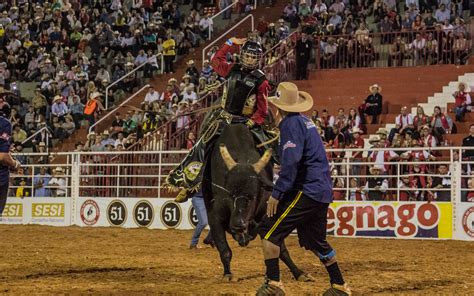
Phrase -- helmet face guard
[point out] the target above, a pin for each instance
(251, 54)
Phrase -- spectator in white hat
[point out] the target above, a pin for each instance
(58, 183)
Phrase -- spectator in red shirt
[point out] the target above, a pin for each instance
(463, 101)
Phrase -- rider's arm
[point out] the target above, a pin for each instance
(219, 61)
(262, 105)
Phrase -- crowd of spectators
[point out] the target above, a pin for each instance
(420, 182)
(360, 33)
(73, 50)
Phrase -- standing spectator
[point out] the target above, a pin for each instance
(462, 100)
(418, 47)
(420, 119)
(372, 105)
(169, 53)
(356, 143)
(77, 111)
(303, 55)
(40, 183)
(206, 26)
(442, 14)
(92, 107)
(193, 72)
(403, 122)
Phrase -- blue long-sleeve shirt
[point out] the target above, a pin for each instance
(304, 165)
(5, 142)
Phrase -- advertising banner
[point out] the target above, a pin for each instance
(44, 211)
(464, 224)
(155, 213)
(391, 219)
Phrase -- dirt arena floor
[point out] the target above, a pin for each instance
(49, 260)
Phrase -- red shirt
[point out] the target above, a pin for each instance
(222, 67)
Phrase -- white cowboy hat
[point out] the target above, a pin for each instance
(90, 135)
(374, 168)
(289, 99)
(375, 86)
(58, 170)
(57, 98)
(374, 140)
(356, 130)
(382, 131)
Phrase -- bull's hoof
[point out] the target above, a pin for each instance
(227, 278)
(306, 277)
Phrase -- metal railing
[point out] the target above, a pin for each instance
(129, 174)
(48, 132)
(118, 107)
(392, 49)
(221, 11)
(251, 17)
(130, 73)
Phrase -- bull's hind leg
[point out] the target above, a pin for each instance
(298, 274)
(220, 240)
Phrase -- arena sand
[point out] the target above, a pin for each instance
(50, 260)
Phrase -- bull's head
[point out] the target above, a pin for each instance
(244, 183)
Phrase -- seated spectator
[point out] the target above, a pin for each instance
(59, 108)
(18, 134)
(356, 192)
(462, 100)
(442, 181)
(319, 8)
(58, 183)
(338, 185)
(206, 26)
(441, 123)
(407, 189)
(382, 133)
(190, 95)
(290, 13)
(381, 159)
(41, 182)
(117, 124)
(420, 119)
(129, 125)
(182, 121)
(403, 122)
(120, 140)
(461, 48)
(151, 96)
(427, 138)
(106, 139)
(376, 185)
(357, 142)
(206, 70)
(372, 105)
(68, 125)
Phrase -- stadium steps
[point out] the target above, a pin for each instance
(347, 88)
(271, 14)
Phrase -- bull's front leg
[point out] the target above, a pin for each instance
(220, 240)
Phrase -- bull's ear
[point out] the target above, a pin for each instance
(267, 184)
(228, 160)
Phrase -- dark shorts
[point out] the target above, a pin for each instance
(307, 216)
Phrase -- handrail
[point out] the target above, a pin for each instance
(113, 111)
(217, 14)
(128, 74)
(227, 32)
(36, 133)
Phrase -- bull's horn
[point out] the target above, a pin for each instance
(263, 161)
(228, 160)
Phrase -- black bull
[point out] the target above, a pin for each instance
(235, 188)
